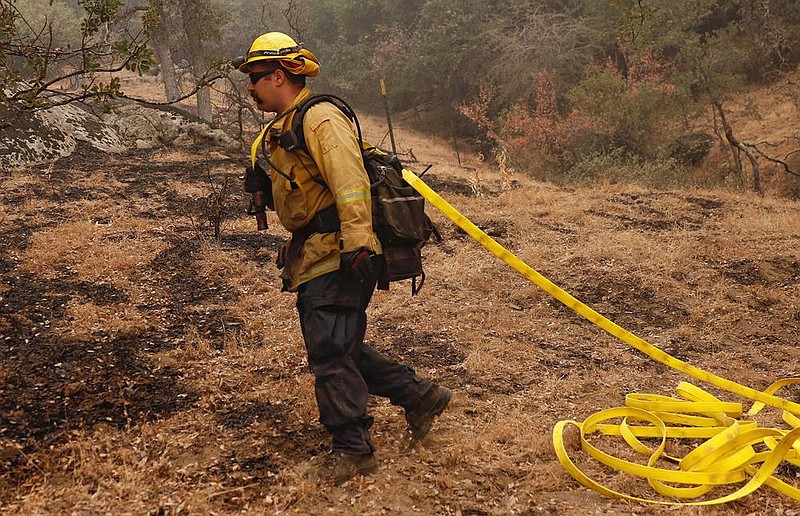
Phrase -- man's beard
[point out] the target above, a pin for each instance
(261, 105)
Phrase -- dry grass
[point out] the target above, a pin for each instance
(149, 369)
(87, 321)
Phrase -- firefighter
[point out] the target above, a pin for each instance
(332, 268)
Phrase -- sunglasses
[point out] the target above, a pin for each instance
(257, 76)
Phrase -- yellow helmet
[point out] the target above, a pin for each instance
(277, 46)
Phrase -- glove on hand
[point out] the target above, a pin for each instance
(357, 264)
(256, 179)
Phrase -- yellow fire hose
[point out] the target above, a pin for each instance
(734, 449)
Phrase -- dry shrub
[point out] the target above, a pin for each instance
(607, 110)
(534, 135)
(631, 108)
(541, 130)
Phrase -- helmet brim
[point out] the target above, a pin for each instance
(247, 65)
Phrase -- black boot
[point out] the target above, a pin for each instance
(421, 417)
(339, 467)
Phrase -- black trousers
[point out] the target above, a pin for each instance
(333, 320)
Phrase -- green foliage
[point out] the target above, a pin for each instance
(419, 47)
(637, 99)
(357, 42)
(140, 59)
(606, 112)
(246, 19)
(619, 166)
(98, 13)
(442, 57)
(204, 22)
(712, 43)
(554, 82)
(636, 113)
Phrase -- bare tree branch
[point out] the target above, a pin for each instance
(786, 167)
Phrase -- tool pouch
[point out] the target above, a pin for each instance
(401, 263)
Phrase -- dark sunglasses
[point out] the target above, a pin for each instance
(257, 76)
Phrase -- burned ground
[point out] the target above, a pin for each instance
(151, 366)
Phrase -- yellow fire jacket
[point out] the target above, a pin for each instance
(335, 158)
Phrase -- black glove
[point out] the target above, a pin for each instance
(257, 180)
(357, 264)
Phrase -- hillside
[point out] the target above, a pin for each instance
(765, 116)
(148, 368)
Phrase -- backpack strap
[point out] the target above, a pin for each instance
(294, 139)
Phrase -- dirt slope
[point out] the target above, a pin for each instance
(149, 369)
(764, 116)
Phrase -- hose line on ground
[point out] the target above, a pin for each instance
(728, 456)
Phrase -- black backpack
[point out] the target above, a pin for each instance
(398, 211)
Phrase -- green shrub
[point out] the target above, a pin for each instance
(619, 166)
(636, 112)
(691, 148)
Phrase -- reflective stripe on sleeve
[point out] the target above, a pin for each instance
(352, 195)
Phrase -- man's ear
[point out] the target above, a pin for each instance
(280, 76)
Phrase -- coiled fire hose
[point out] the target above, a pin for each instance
(734, 449)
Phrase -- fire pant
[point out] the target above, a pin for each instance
(333, 320)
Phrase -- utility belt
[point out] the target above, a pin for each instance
(325, 221)
(395, 263)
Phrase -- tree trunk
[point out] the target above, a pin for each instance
(736, 144)
(195, 38)
(168, 76)
(163, 52)
(204, 108)
(727, 130)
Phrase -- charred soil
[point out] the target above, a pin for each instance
(150, 364)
